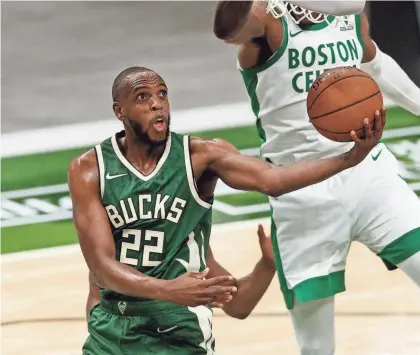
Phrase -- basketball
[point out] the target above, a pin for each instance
(340, 99)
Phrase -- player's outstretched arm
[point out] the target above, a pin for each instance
(252, 174)
(251, 287)
(98, 248)
(391, 78)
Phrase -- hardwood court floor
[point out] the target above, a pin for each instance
(43, 300)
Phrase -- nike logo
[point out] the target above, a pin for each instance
(375, 157)
(295, 34)
(110, 177)
(166, 330)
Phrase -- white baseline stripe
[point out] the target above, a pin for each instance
(75, 248)
(51, 217)
(35, 191)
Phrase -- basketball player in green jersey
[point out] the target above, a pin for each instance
(142, 209)
(282, 50)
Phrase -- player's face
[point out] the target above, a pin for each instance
(145, 108)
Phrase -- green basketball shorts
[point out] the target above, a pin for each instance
(150, 327)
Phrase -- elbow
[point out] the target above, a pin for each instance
(270, 189)
(101, 279)
(102, 276)
(238, 314)
(241, 316)
(276, 193)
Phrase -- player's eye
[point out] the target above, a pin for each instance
(163, 93)
(143, 96)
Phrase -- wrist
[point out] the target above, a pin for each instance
(347, 160)
(268, 264)
(162, 291)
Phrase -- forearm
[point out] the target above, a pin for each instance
(394, 82)
(121, 278)
(337, 8)
(251, 288)
(280, 180)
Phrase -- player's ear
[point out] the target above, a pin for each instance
(118, 110)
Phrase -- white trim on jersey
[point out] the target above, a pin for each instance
(190, 175)
(101, 168)
(130, 167)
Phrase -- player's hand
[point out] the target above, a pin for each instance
(266, 247)
(192, 289)
(363, 145)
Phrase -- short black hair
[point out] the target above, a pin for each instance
(119, 81)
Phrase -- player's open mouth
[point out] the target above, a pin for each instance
(159, 124)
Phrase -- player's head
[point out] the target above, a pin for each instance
(140, 99)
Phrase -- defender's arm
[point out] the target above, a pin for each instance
(251, 287)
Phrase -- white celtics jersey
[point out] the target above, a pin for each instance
(279, 87)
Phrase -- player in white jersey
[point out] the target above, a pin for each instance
(280, 53)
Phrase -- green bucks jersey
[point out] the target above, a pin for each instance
(160, 225)
(278, 88)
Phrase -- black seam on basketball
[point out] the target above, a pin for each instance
(344, 107)
(335, 82)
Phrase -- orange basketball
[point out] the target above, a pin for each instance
(340, 99)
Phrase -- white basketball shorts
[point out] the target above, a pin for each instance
(312, 228)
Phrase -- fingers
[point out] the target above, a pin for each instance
(380, 125)
(355, 138)
(217, 301)
(227, 283)
(204, 273)
(383, 116)
(261, 234)
(378, 121)
(367, 129)
(217, 280)
(200, 275)
(221, 300)
(220, 290)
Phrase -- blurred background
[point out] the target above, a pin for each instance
(58, 62)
